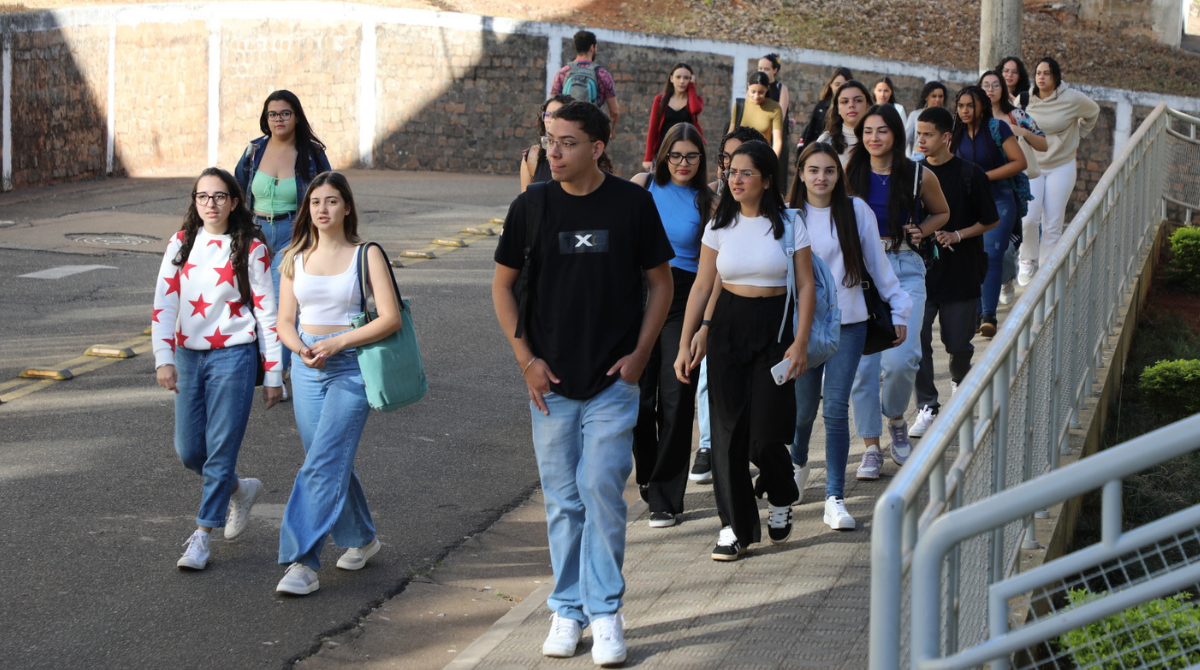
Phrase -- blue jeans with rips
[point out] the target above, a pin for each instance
(216, 390)
(995, 243)
(327, 499)
(584, 451)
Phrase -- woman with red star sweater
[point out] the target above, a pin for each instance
(213, 325)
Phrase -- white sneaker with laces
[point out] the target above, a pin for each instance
(195, 557)
(1025, 272)
(356, 557)
(563, 638)
(921, 424)
(836, 515)
(299, 580)
(240, 503)
(1008, 293)
(608, 640)
(801, 475)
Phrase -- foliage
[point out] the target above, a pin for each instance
(1163, 633)
(1185, 262)
(1172, 388)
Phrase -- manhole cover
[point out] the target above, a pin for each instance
(112, 239)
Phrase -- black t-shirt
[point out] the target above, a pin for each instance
(958, 274)
(585, 290)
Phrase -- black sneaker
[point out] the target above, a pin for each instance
(662, 519)
(779, 523)
(728, 548)
(988, 326)
(702, 468)
(644, 492)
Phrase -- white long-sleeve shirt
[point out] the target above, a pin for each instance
(198, 306)
(826, 244)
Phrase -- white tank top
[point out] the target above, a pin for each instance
(326, 301)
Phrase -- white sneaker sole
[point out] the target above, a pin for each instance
(298, 590)
(663, 523)
(866, 477)
(346, 564)
(558, 651)
(703, 478)
(917, 432)
(608, 659)
(188, 564)
(841, 525)
(231, 530)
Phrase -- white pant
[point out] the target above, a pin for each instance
(1051, 193)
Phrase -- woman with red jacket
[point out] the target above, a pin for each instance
(679, 102)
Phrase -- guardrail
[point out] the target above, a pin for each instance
(1011, 417)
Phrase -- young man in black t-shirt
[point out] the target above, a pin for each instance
(586, 341)
(956, 262)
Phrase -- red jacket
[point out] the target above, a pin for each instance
(654, 135)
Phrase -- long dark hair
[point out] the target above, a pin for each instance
(1022, 87)
(241, 230)
(891, 88)
(834, 121)
(561, 98)
(686, 132)
(669, 89)
(763, 158)
(1006, 105)
(983, 116)
(841, 214)
(928, 90)
(900, 203)
(305, 235)
(306, 140)
(1055, 71)
(827, 91)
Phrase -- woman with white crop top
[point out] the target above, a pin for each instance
(320, 289)
(213, 323)
(751, 331)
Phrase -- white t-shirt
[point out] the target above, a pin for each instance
(748, 253)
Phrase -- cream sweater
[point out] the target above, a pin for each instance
(1065, 116)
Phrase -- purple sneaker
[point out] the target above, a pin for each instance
(901, 446)
(868, 470)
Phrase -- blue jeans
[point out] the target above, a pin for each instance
(995, 243)
(899, 364)
(216, 389)
(584, 451)
(279, 236)
(702, 406)
(839, 375)
(327, 498)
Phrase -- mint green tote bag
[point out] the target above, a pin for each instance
(392, 367)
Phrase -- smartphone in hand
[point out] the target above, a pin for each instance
(779, 371)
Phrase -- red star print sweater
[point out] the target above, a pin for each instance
(198, 306)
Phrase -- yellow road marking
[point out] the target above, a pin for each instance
(19, 388)
(444, 245)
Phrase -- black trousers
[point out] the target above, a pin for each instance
(752, 418)
(957, 322)
(662, 439)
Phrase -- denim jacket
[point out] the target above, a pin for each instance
(248, 165)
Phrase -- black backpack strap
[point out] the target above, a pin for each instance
(535, 211)
(364, 271)
(739, 110)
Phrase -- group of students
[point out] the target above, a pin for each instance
(267, 258)
(646, 301)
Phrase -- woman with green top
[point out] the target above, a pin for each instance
(759, 112)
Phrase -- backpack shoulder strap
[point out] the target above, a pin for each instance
(740, 106)
(535, 211)
(788, 243)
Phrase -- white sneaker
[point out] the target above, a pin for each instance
(299, 580)
(921, 424)
(239, 506)
(563, 638)
(801, 475)
(953, 388)
(1008, 293)
(836, 515)
(356, 557)
(608, 640)
(1025, 272)
(195, 557)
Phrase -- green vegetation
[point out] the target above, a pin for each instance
(1152, 635)
(1185, 261)
(1172, 388)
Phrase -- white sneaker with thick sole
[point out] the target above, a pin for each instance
(240, 504)
(608, 640)
(356, 557)
(195, 557)
(801, 475)
(1025, 272)
(299, 580)
(921, 424)
(563, 638)
(1008, 293)
(836, 515)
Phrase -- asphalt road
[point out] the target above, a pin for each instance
(95, 506)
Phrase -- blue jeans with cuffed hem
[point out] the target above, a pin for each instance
(839, 376)
(327, 499)
(584, 451)
(995, 243)
(899, 364)
(212, 407)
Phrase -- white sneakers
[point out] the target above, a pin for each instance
(299, 580)
(921, 424)
(608, 638)
(1008, 293)
(801, 475)
(836, 515)
(240, 503)
(563, 638)
(195, 557)
(356, 557)
(1025, 272)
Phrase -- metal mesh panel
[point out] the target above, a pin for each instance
(1183, 174)
(1042, 361)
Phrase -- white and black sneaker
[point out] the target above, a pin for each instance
(836, 515)
(702, 469)
(924, 419)
(779, 523)
(663, 519)
(728, 548)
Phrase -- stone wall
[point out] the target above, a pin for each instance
(1158, 20)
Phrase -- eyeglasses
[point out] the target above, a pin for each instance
(546, 115)
(565, 146)
(220, 197)
(723, 159)
(740, 174)
(284, 115)
(677, 158)
(990, 87)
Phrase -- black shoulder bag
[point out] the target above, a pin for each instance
(881, 332)
(535, 210)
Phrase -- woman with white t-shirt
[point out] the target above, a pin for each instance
(751, 331)
(850, 105)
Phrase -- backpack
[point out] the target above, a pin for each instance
(826, 330)
(1020, 183)
(739, 109)
(582, 83)
(535, 208)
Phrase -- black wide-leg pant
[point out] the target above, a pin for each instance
(752, 418)
(662, 439)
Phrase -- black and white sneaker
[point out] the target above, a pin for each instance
(779, 523)
(644, 493)
(662, 519)
(728, 548)
(702, 468)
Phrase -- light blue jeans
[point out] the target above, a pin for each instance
(899, 364)
(584, 451)
(279, 236)
(838, 373)
(702, 406)
(327, 498)
(216, 389)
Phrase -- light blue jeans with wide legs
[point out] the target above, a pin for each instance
(279, 235)
(327, 498)
(838, 372)
(216, 389)
(899, 364)
(584, 451)
(702, 406)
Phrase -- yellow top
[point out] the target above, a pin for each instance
(763, 118)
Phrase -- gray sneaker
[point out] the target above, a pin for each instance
(901, 446)
(240, 504)
(868, 470)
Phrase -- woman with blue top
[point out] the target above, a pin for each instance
(662, 439)
(906, 212)
(275, 170)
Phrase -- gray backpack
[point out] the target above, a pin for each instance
(582, 83)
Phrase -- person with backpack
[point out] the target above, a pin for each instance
(955, 263)
(845, 236)
(759, 112)
(583, 79)
(988, 142)
(757, 345)
(213, 327)
(680, 102)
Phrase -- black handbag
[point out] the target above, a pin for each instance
(881, 334)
